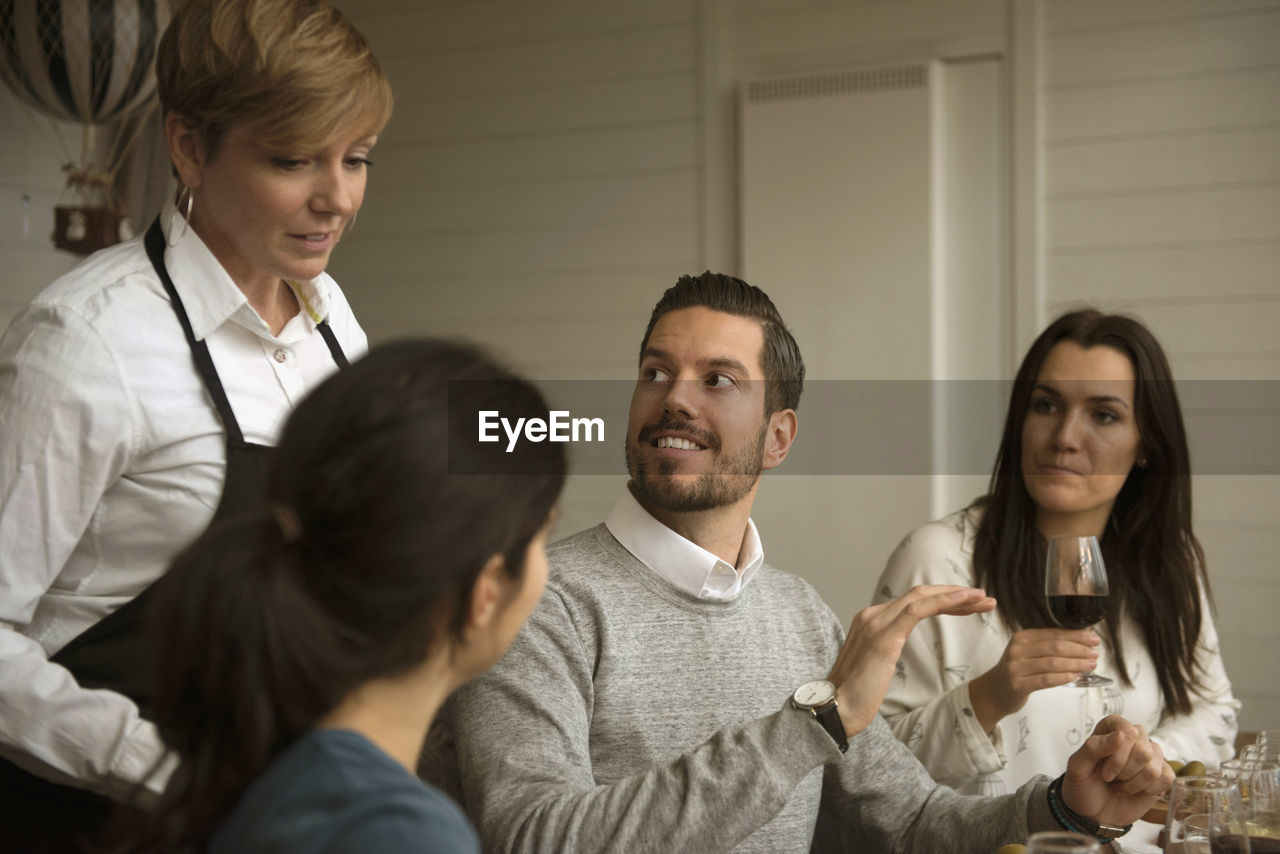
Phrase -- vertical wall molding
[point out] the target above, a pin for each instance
(1026, 203)
(717, 149)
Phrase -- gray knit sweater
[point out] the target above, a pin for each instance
(629, 716)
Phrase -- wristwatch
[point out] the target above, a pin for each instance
(1073, 821)
(819, 698)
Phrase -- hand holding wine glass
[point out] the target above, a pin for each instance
(1075, 586)
(1033, 660)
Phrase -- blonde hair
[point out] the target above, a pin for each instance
(297, 69)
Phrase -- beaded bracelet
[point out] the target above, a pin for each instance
(1076, 823)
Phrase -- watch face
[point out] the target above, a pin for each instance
(815, 693)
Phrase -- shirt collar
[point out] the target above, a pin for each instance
(682, 562)
(209, 294)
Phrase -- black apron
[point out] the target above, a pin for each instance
(38, 816)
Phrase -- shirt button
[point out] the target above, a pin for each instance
(281, 355)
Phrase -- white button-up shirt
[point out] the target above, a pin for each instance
(112, 458)
(685, 564)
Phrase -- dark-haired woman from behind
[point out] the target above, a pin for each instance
(302, 651)
(1093, 444)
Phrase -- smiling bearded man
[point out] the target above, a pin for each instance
(731, 478)
(667, 694)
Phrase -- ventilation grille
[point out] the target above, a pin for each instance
(839, 83)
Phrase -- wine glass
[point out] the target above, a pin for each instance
(1205, 809)
(1075, 586)
(1268, 745)
(1259, 784)
(1062, 842)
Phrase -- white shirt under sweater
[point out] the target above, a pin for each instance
(928, 705)
(632, 715)
(112, 458)
(683, 562)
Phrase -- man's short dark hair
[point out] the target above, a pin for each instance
(780, 357)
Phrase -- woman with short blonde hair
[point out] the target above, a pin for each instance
(142, 390)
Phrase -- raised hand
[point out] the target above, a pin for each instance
(1117, 774)
(1035, 659)
(871, 650)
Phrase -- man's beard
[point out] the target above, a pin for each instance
(729, 481)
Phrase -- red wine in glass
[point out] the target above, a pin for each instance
(1234, 843)
(1077, 612)
(1075, 588)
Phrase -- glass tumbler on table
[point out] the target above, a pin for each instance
(1195, 834)
(1062, 842)
(1259, 785)
(1205, 809)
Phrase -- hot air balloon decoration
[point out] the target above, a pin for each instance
(90, 62)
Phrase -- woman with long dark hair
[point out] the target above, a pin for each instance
(1093, 444)
(302, 650)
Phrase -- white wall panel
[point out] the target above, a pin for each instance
(631, 101)
(1207, 159)
(1249, 601)
(880, 238)
(604, 346)
(628, 291)
(554, 61)
(1207, 43)
(418, 166)
(1204, 328)
(779, 28)
(1194, 272)
(1164, 218)
(836, 226)
(1242, 98)
(1216, 366)
(1240, 560)
(426, 27)
(1250, 654)
(1094, 14)
(643, 196)
(394, 257)
(537, 188)
(1238, 502)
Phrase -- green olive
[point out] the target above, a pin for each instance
(1176, 766)
(1192, 769)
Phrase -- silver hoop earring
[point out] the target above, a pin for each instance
(190, 196)
(351, 223)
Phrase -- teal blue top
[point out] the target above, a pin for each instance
(335, 792)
